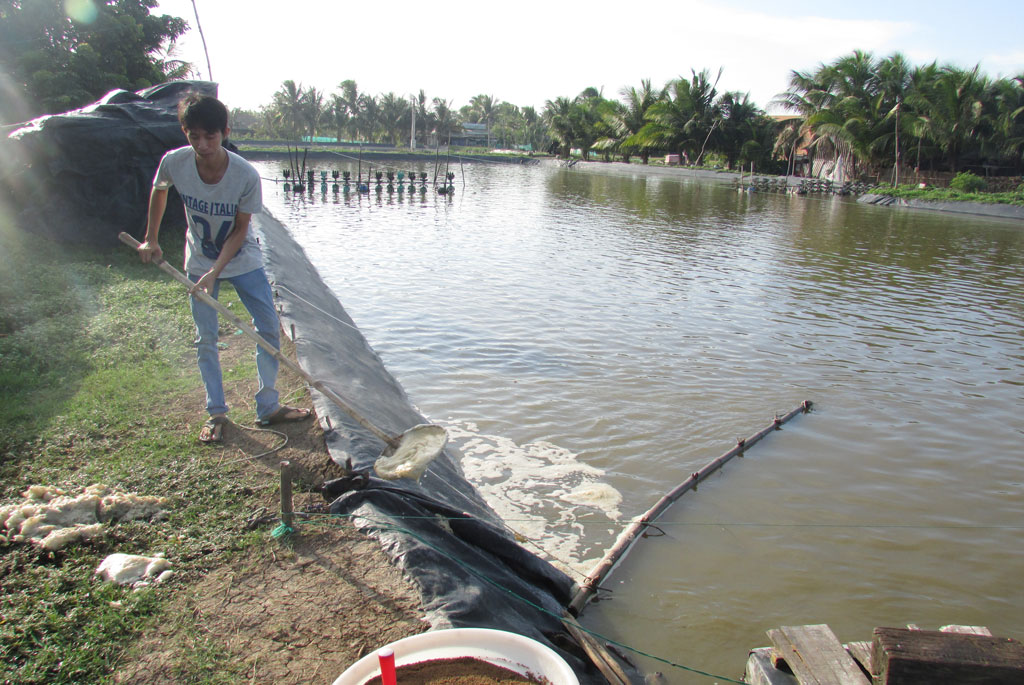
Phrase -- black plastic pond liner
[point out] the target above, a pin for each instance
(467, 566)
(84, 176)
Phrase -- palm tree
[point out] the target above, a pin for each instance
(862, 112)
(484, 109)
(851, 125)
(444, 120)
(509, 125)
(854, 76)
(740, 118)
(349, 100)
(895, 82)
(587, 115)
(686, 119)
(807, 95)
(424, 118)
(288, 108)
(627, 118)
(849, 130)
(558, 116)
(536, 131)
(954, 112)
(394, 118)
(269, 122)
(337, 113)
(1010, 118)
(842, 109)
(312, 110)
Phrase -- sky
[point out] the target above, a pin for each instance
(527, 52)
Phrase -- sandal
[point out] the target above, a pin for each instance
(285, 414)
(213, 430)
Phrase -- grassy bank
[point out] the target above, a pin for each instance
(98, 385)
(910, 192)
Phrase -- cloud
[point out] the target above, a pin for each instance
(1005, 64)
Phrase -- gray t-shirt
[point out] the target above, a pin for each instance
(210, 209)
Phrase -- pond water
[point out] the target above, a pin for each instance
(591, 337)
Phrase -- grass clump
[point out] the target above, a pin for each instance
(966, 182)
(98, 385)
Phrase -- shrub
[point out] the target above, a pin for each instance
(966, 182)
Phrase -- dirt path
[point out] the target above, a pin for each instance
(298, 609)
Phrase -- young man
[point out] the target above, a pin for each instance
(221, 191)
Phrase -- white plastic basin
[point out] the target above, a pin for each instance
(507, 650)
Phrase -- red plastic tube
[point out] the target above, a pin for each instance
(386, 657)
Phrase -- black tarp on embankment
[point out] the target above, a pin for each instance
(85, 175)
(469, 569)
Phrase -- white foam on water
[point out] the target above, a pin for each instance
(542, 491)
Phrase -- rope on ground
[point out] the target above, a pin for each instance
(282, 530)
(262, 454)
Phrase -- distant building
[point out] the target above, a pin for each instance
(468, 135)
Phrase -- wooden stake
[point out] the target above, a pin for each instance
(286, 494)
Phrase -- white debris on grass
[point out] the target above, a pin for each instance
(134, 570)
(52, 519)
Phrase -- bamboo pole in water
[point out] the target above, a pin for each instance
(437, 152)
(630, 535)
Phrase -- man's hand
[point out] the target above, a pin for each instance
(205, 284)
(150, 252)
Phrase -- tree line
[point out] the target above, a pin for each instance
(297, 112)
(868, 116)
(880, 114)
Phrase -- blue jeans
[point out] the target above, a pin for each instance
(254, 292)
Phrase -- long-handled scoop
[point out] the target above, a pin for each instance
(406, 455)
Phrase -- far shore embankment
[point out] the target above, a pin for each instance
(1000, 211)
(269, 151)
(384, 155)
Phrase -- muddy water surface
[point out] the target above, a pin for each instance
(590, 339)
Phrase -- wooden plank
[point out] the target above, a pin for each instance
(815, 656)
(966, 630)
(910, 657)
(861, 653)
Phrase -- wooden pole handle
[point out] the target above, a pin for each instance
(205, 298)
